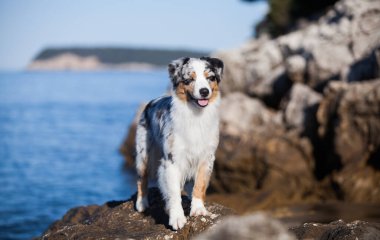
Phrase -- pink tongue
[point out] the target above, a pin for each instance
(203, 102)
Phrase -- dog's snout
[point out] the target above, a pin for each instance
(204, 92)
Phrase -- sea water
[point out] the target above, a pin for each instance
(59, 138)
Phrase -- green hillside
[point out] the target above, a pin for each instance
(116, 55)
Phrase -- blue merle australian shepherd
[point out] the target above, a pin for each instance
(177, 136)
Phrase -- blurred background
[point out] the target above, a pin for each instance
(300, 124)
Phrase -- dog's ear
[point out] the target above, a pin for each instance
(175, 69)
(216, 65)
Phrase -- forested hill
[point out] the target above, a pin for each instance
(80, 58)
(109, 55)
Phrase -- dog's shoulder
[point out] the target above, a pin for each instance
(159, 104)
(157, 109)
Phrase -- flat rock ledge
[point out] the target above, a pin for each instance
(338, 230)
(120, 220)
(260, 226)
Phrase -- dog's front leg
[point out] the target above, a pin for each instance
(200, 186)
(169, 180)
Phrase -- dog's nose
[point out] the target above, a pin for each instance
(204, 92)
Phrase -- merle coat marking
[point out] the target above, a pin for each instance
(177, 136)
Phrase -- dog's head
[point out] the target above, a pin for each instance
(196, 80)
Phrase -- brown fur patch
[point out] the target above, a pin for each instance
(205, 73)
(215, 90)
(182, 91)
(142, 186)
(201, 183)
(193, 75)
(142, 181)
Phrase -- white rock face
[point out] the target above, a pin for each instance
(240, 115)
(327, 49)
(302, 97)
(296, 68)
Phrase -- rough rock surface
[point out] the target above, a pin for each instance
(119, 220)
(338, 230)
(349, 118)
(350, 112)
(343, 44)
(263, 226)
(267, 156)
(300, 110)
(256, 226)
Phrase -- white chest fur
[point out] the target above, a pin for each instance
(196, 132)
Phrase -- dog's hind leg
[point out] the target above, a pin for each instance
(142, 145)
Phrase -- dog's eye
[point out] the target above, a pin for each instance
(187, 81)
(212, 78)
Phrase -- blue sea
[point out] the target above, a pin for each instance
(59, 138)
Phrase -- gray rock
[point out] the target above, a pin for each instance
(257, 153)
(242, 115)
(301, 108)
(256, 226)
(350, 112)
(331, 48)
(296, 68)
(338, 230)
(350, 127)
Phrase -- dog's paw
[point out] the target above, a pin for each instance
(199, 211)
(198, 208)
(142, 204)
(177, 219)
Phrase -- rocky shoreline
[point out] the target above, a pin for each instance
(119, 220)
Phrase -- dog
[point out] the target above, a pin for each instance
(177, 136)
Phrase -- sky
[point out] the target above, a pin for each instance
(28, 26)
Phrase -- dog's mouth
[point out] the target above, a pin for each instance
(199, 102)
(202, 102)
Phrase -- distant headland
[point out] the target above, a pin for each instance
(106, 58)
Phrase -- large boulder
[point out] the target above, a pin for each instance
(300, 111)
(350, 114)
(342, 45)
(338, 230)
(257, 154)
(263, 226)
(349, 118)
(255, 227)
(119, 220)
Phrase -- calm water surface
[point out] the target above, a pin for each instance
(59, 139)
